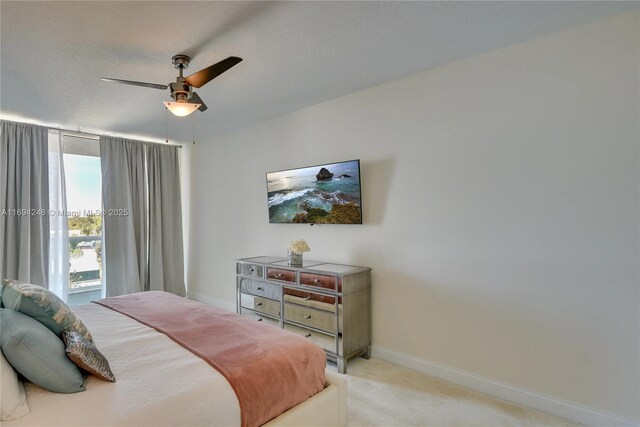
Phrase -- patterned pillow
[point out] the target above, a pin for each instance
(85, 354)
(44, 306)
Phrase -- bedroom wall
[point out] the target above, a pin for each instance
(501, 206)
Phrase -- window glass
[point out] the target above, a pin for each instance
(84, 202)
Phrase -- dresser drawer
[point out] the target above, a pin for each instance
(260, 304)
(308, 316)
(311, 299)
(262, 289)
(313, 296)
(281, 274)
(264, 319)
(321, 281)
(327, 342)
(246, 269)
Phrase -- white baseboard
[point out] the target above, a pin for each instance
(225, 305)
(561, 408)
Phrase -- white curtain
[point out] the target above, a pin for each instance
(24, 203)
(58, 226)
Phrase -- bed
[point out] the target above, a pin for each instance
(160, 383)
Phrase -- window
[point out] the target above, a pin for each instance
(84, 202)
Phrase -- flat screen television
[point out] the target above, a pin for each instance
(323, 194)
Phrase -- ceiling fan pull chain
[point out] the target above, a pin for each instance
(194, 129)
(166, 118)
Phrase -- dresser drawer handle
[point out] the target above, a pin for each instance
(307, 299)
(252, 270)
(308, 336)
(277, 275)
(259, 304)
(316, 281)
(260, 319)
(308, 316)
(259, 289)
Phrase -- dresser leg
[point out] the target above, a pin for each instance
(342, 365)
(367, 354)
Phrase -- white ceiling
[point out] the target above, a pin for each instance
(295, 54)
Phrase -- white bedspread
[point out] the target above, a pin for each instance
(159, 383)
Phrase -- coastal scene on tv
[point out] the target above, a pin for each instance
(325, 194)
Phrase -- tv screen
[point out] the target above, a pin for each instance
(323, 194)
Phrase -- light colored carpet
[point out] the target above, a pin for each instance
(384, 394)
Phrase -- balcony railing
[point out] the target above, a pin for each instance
(85, 269)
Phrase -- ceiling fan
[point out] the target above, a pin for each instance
(186, 100)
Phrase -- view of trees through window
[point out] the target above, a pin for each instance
(83, 185)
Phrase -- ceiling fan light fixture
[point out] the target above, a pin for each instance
(181, 109)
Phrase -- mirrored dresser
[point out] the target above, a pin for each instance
(329, 304)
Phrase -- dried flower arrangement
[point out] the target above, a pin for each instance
(299, 246)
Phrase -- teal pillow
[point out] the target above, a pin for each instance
(44, 306)
(37, 353)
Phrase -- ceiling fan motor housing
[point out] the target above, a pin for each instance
(180, 91)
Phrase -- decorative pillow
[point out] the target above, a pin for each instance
(13, 401)
(44, 306)
(37, 353)
(86, 355)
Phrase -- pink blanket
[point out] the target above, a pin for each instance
(271, 370)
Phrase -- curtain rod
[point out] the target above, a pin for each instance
(94, 136)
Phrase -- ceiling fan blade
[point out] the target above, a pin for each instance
(205, 75)
(195, 99)
(131, 82)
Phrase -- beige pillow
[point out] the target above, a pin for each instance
(86, 356)
(13, 401)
